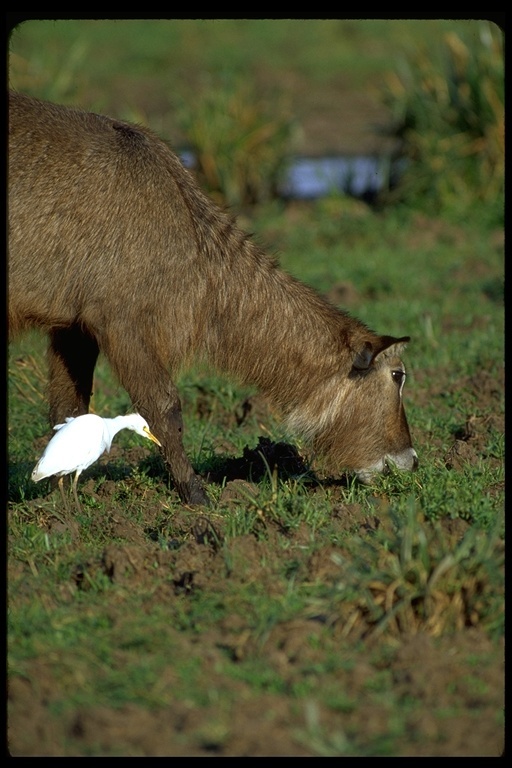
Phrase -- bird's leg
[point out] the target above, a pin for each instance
(75, 481)
(60, 482)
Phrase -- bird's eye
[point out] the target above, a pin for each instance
(398, 377)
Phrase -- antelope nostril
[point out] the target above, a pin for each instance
(415, 463)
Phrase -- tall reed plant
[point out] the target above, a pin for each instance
(240, 139)
(449, 113)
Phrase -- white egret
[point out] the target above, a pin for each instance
(80, 442)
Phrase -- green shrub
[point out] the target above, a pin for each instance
(240, 139)
(449, 114)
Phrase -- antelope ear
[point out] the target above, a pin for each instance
(368, 352)
(363, 358)
(391, 345)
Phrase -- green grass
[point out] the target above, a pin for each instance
(156, 46)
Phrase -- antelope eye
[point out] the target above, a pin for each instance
(398, 376)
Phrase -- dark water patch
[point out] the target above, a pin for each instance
(359, 176)
(310, 178)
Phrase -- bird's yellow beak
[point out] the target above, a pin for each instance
(151, 436)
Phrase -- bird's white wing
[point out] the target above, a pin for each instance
(68, 420)
(75, 446)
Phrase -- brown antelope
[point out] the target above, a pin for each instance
(114, 248)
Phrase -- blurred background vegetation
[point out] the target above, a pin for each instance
(246, 95)
(450, 115)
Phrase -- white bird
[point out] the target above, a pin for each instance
(80, 442)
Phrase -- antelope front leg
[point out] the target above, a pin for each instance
(169, 430)
(156, 398)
